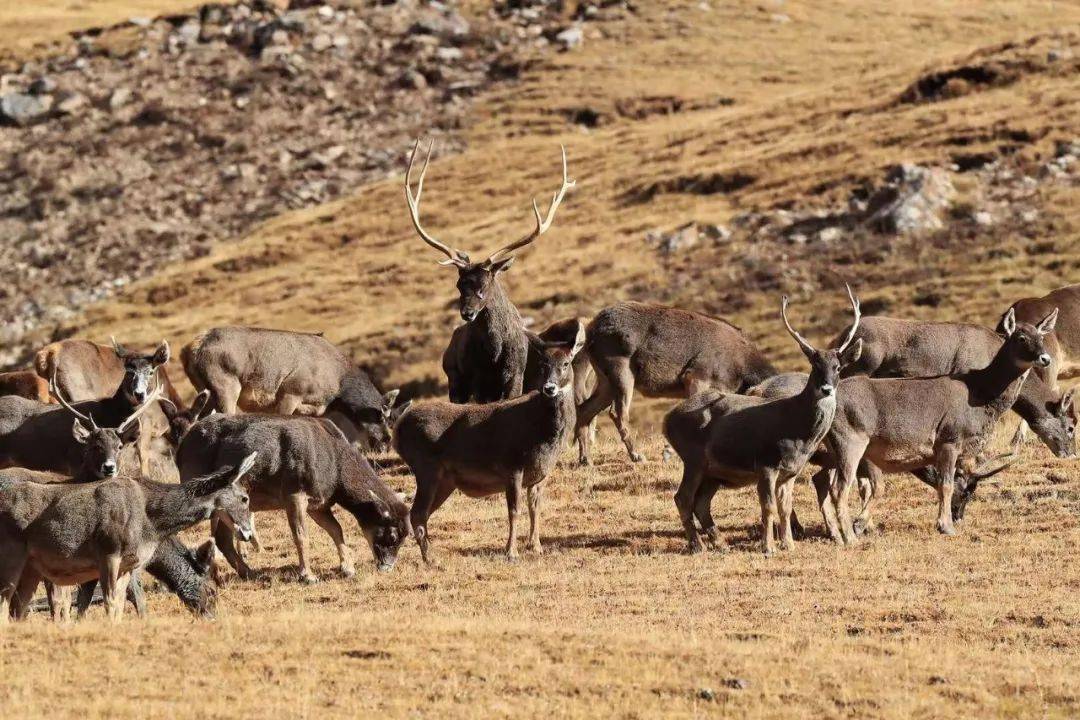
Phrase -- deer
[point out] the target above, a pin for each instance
(36, 436)
(85, 370)
(306, 466)
(25, 384)
(261, 370)
(908, 348)
(1064, 344)
(661, 352)
(486, 358)
(507, 446)
(70, 533)
(904, 424)
(762, 443)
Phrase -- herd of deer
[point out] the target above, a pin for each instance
(281, 420)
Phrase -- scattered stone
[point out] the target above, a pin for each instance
(1067, 148)
(679, 239)
(938, 680)
(322, 42)
(983, 218)
(449, 54)
(912, 200)
(571, 38)
(716, 233)
(780, 18)
(706, 694)
(42, 86)
(326, 12)
(24, 109)
(830, 234)
(412, 80)
(119, 97)
(69, 103)
(736, 683)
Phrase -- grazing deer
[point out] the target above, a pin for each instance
(88, 371)
(662, 352)
(25, 384)
(507, 446)
(71, 533)
(1064, 344)
(305, 467)
(910, 348)
(904, 424)
(485, 360)
(757, 443)
(260, 370)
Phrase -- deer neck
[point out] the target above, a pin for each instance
(818, 412)
(997, 384)
(499, 319)
(172, 508)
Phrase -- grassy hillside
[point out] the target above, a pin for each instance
(676, 112)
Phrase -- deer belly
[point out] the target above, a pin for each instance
(478, 483)
(900, 458)
(65, 571)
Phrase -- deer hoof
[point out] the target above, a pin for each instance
(307, 578)
(512, 557)
(584, 461)
(947, 529)
(348, 571)
(637, 457)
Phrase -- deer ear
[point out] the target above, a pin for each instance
(1008, 323)
(1067, 401)
(1046, 325)
(167, 407)
(388, 401)
(852, 353)
(205, 555)
(401, 409)
(80, 432)
(579, 339)
(131, 433)
(198, 405)
(161, 355)
(501, 265)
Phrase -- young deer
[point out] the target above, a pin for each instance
(508, 446)
(1064, 345)
(661, 352)
(762, 443)
(905, 424)
(88, 371)
(485, 359)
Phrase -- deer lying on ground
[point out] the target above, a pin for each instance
(508, 446)
(25, 384)
(766, 444)
(259, 370)
(662, 352)
(88, 371)
(904, 424)
(1064, 345)
(909, 348)
(305, 467)
(71, 533)
(485, 360)
(37, 436)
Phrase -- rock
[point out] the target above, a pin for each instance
(1063, 148)
(42, 86)
(141, 21)
(780, 18)
(570, 38)
(1058, 54)
(447, 25)
(322, 42)
(324, 159)
(830, 234)
(449, 54)
(680, 239)
(411, 80)
(120, 97)
(912, 200)
(736, 683)
(706, 694)
(341, 41)
(716, 233)
(69, 103)
(982, 218)
(23, 109)
(326, 12)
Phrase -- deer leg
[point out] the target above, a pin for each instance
(24, 593)
(869, 477)
(325, 519)
(225, 391)
(225, 539)
(536, 495)
(596, 403)
(1020, 436)
(623, 387)
(823, 481)
(428, 485)
(295, 509)
(135, 594)
(684, 502)
(703, 512)
(513, 501)
(847, 466)
(109, 572)
(785, 498)
(946, 467)
(83, 598)
(767, 498)
(12, 563)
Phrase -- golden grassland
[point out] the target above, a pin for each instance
(614, 619)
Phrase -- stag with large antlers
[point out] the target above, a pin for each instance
(763, 443)
(485, 360)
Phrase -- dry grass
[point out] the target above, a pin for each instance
(614, 619)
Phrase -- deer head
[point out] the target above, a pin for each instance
(826, 365)
(556, 361)
(227, 494)
(1058, 430)
(181, 421)
(477, 282)
(1025, 343)
(139, 370)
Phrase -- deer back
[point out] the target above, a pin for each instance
(26, 384)
(1066, 335)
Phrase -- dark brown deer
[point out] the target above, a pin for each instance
(485, 359)
(287, 373)
(1064, 344)
(25, 384)
(305, 467)
(662, 352)
(910, 348)
(766, 444)
(87, 371)
(904, 424)
(506, 447)
(71, 533)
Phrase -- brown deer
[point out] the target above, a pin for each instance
(305, 467)
(662, 352)
(904, 424)
(507, 446)
(485, 359)
(766, 444)
(25, 384)
(909, 348)
(287, 373)
(1064, 344)
(87, 371)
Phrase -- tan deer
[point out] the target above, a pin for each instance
(1064, 344)
(88, 371)
(486, 358)
(25, 384)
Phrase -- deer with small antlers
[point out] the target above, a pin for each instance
(760, 443)
(486, 358)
